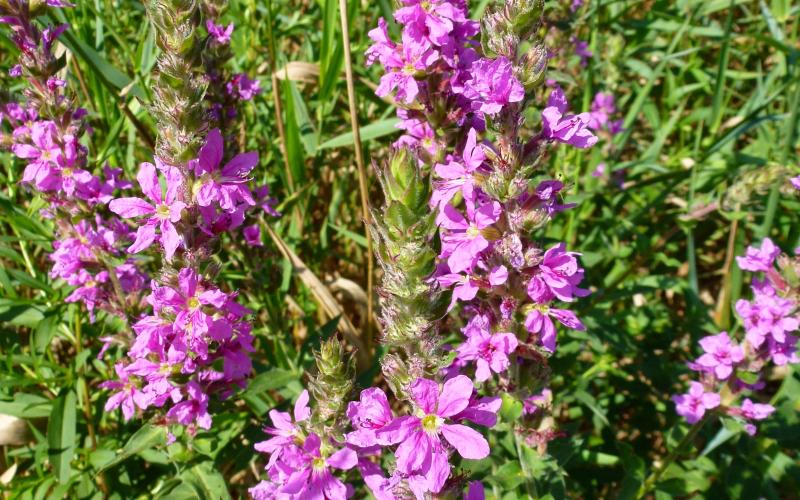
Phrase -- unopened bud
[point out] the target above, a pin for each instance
(532, 68)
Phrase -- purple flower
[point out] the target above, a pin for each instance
(752, 411)
(286, 433)
(721, 356)
(602, 108)
(475, 491)
(45, 154)
(428, 22)
(369, 415)
(458, 175)
(491, 86)
(163, 212)
(564, 128)
(129, 396)
(536, 402)
(759, 259)
(401, 71)
(489, 351)
(226, 185)
(243, 88)
(582, 50)
(465, 238)
(693, 405)
(795, 182)
(559, 276)
(538, 321)
(384, 49)
(220, 34)
(312, 477)
(466, 287)
(768, 316)
(252, 235)
(192, 410)
(421, 450)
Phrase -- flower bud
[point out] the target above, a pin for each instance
(531, 71)
(333, 382)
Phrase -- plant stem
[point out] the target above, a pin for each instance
(362, 174)
(654, 476)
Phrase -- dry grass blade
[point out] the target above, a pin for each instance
(299, 71)
(324, 298)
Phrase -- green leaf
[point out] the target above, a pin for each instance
(368, 132)
(146, 437)
(61, 434)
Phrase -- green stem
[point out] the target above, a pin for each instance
(651, 480)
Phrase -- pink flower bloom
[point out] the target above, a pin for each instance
(421, 449)
(693, 405)
(219, 33)
(466, 287)
(401, 71)
(192, 410)
(458, 175)
(559, 276)
(475, 491)
(535, 403)
(721, 356)
(538, 321)
(45, 154)
(313, 478)
(370, 414)
(582, 50)
(481, 411)
(163, 212)
(756, 411)
(243, 88)
(464, 238)
(767, 316)
(129, 396)
(384, 49)
(602, 108)
(492, 86)
(489, 351)
(564, 128)
(428, 23)
(795, 182)
(252, 235)
(227, 185)
(759, 259)
(286, 433)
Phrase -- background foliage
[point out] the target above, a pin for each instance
(709, 91)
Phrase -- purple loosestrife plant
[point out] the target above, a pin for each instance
(729, 368)
(45, 130)
(196, 340)
(464, 170)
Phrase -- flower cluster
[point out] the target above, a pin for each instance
(196, 340)
(464, 170)
(45, 132)
(727, 368)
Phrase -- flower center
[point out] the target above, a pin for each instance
(409, 69)
(193, 303)
(162, 211)
(473, 231)
(430, 423)
(318, 464)
(66, 172)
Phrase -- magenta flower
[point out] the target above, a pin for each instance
(492, 86)
(286, 433)
(559, 276)
(421, 450)
(242, 87)
(252, 235)
(194, 409)
(602, 108)
(759, 259)
(384, 49)
(401, 71)
(220, 34)
(564, 128)
(721, 356)
(465, 238)
(768, 316)
(466, 287)
(313, 478)
(370, 414)
(489, 351)
(129, 396)
(458, 175)
(45, 154)
(429, 22)
(227, 185)
(538, 321)
(163, 212)
(795, 182)
(582, 50)
(693, 405)
(475, 491)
